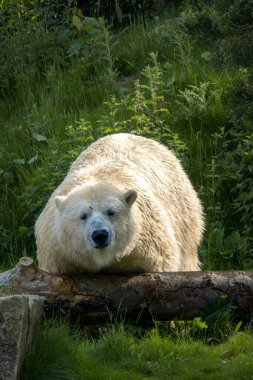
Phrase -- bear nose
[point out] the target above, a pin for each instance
(100, 236)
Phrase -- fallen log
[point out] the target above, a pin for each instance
(90, 298)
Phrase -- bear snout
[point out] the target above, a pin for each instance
(101, 238)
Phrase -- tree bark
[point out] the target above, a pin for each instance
(139, 297)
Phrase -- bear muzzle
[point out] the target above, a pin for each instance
(101, 238)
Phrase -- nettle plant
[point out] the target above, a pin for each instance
(141, 111)
(198, 100)
(144, 111)
(228, 198)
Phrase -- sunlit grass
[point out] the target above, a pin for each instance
(118, 354)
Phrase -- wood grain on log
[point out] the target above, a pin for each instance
(160, 296)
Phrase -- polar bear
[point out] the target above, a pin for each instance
(126, 205)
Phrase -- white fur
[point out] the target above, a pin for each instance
(158, 220)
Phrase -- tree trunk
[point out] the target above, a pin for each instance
(91, 298)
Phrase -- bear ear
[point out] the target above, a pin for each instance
(130, 197)
(60, 202)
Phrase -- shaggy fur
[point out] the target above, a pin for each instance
(158, 227)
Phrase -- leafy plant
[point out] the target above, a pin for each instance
(198, 100)
(146, 111)
(226, 251)
(232, 175)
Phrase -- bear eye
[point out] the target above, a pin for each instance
(110, 212)
(83, 216)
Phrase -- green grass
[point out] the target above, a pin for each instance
(118, 354)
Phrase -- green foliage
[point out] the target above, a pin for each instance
(62, 88)
(229, 197)
(227, 252)
(227, 24)
(145, 111)
(232, 175)
(54, 355)
(118, 354)
(198, 100)
(34, 47)
(116, 12)
(204, 22)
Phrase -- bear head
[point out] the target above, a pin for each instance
(95, 224)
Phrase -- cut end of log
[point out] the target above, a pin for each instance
(26, 262)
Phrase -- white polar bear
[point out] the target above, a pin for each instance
(126, 205)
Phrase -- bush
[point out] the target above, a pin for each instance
(232, 176)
